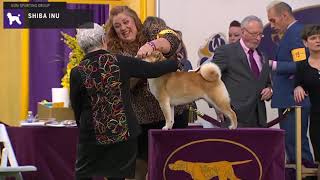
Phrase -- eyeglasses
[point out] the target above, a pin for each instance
(254, 34)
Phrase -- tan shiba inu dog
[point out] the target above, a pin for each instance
(184, 87)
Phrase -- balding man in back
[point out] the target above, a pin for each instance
(290, 50)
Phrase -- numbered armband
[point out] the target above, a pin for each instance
(299, 54)
(164, 32)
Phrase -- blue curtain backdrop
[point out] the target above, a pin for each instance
(49, 55)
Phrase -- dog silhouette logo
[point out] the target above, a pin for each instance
(13, 18)
(207, 171)
(195, 161)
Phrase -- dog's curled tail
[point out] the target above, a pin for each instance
(210, 72)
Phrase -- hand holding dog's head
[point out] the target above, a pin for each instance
(154, 57)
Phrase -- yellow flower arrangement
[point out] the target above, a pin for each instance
(75, 57)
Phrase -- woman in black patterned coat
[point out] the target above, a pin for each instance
(100, 98)
(125, 37)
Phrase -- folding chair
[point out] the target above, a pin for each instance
(14, 170)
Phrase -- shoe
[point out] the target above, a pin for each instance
(305, 163)
(309, 164)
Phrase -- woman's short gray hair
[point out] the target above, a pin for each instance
(89, 39)
(250, 18)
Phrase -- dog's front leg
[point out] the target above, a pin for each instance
(166, 109)
(172, 114)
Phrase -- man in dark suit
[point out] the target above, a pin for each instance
(290, 49)
(245, 72)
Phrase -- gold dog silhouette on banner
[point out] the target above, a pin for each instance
(224, 167)
(206, 171)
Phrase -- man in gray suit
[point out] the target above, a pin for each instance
(245, 72)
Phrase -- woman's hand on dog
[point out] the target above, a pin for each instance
(145, 50)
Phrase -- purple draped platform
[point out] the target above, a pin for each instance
(51, 150)
(251, 153)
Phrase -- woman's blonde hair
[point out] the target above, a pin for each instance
(114, 43)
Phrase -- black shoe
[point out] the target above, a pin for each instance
(309, 164)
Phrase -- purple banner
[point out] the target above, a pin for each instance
(49, 55)
(212, 154)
